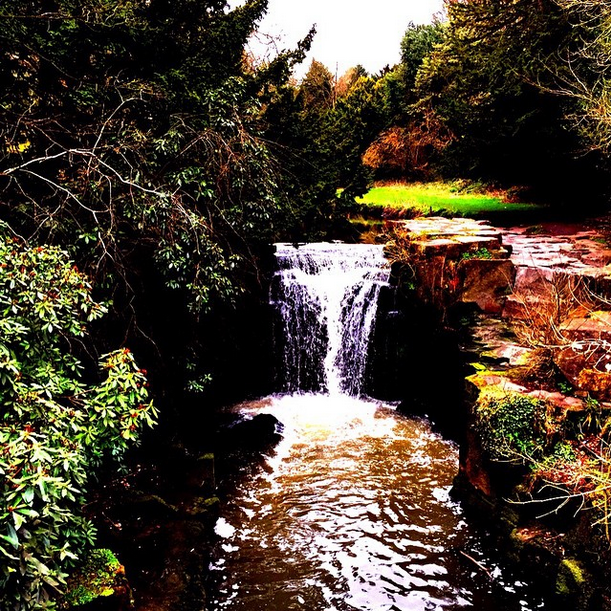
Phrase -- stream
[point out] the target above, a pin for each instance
(352, 509)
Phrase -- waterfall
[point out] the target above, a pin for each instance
(326, 296)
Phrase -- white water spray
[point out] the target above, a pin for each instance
(327, 296)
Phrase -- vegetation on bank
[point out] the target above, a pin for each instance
(566, 455)
(434, 197)
(100, 575)
(58, 427)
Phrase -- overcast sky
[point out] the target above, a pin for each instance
(349, 32)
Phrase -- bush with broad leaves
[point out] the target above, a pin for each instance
(55, 429)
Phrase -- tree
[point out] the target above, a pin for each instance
(483, 84)
(143, 153)
(402, 149)
(348, 80)
(318, 88)
(417, 44)
(349, 129)
(136, 139)
(582, 77)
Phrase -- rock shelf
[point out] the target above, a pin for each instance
(539, 343)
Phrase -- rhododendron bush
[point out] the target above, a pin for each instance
(55, 428)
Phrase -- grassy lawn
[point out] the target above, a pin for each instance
(437, 196)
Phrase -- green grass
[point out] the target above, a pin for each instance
(437, 196)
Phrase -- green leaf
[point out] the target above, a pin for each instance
(28, 495)
(12, 537)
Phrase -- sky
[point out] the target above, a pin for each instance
(349, 32)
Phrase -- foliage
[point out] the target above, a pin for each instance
(392, 153)
(318, 88)
(348, 80)
(97, 576)
(145, 154)
(566, 461)
(417, 45)
(404, 146)
(510, 425)
(583, 78)
(482, 84)
(321, 133)
(147, 145)
(578, 469)
(55, 428)
(348, 130)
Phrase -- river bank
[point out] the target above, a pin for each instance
(533, 306)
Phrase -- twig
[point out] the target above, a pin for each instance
(478, 564)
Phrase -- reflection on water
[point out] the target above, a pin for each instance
(351, 512)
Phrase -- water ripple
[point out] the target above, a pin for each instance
(353, 513)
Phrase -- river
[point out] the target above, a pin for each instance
(352, 510)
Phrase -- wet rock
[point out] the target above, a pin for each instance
(201, 473)
(254, 434)
(475, 465)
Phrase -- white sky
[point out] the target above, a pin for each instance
(349, 32)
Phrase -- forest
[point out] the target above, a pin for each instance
(148, 162)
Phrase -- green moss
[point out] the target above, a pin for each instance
(509, 424)
(571, 577)
(98, 576)
(481, 253)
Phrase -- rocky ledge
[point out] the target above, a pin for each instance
(536, 452)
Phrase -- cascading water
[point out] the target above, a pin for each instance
(327, 298)
(351, 511)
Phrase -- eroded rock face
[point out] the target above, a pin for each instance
(486, 283)
(458, 260)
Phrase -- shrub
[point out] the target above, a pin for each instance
(55, 429)
(511, 425)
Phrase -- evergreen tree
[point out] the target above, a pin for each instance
(483, 85)
(132, 134)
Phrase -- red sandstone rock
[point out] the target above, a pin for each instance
(586, 359)
(486, 282)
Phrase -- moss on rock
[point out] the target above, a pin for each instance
(101, 575)
(509, 424)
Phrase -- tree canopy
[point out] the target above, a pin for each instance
(512, 92)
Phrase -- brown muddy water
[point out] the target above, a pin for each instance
(352, 511)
